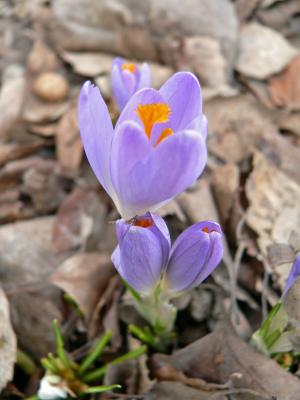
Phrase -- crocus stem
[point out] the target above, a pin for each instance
(101, 389)
(60, 345)
(100, 372)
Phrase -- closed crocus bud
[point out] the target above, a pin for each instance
(194, 256)
(127, 78)
(142, 252)
(293, 276)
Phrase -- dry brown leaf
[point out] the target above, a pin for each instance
(11, 151)
(11, 98)
(25, 263)
(219, 356)
(8, 343)
(274, 209)
(68, 143)
(257, 58)
(41, 58)
(285, 88)
(79, 221)
(89, 64)
(85, 277)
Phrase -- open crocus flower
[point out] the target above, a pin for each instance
(293, 276)
(157, 148)
(127, 78)
(144, 259)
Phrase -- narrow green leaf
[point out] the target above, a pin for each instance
(101, 389)
(100, 372)
(62, 354)
(95, 352)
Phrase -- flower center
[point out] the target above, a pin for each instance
(143, 222)
(151, 114)
(130, 67)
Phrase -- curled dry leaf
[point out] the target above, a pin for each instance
(11, 98)
(25, 263)
(85, 277)
(220, 355)
(285, 88)
(68, 143)
(79, 221)
(257, 58)
(8, 343)
(89, 64)
(272, 213)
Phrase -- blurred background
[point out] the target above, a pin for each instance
(55, 233)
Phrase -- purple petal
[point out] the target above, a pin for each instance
(145, 176)
(130, 82)
(293, 275)
(183, 94)
(200, 124)
(96, 133)
(141, 255)
(145, 77)
(119, 91)
(194, 256)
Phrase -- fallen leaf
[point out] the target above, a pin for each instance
(256, 58)
(203, 55)
(273, 212)
(41, 58)
(285, 88)
(85, 277)
(26, 261)
(68, 143)
(221, 354)
(11, 98)
(8, 343)
(89, 64)
(79, 221)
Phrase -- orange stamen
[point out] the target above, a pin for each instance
(163, 136)
(151, 114)
(206, 230)
(143, 222)
(130, 67)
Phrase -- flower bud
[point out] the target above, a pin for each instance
(194, 256)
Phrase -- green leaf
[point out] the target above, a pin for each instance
(60, 345)
(95, 352)
(101, 389)
(100, 372)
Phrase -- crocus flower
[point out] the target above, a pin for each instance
(157, 148)
(293, 276)
(127, 78)
(143, 256)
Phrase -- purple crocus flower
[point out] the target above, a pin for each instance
(293, 276)
(127, 78)
(143, 256)
(143, 250)
(157, 148)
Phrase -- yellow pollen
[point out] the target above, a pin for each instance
(130, 67)
(151, 114)
(163, 136)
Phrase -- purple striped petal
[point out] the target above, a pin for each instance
(183, 93)
(96, 133)
(194, 256)
(145, 77)
(293, 275)
(146, 176)
(142, 252)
